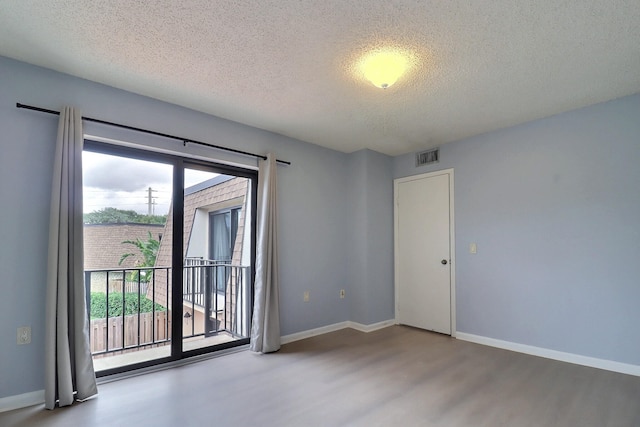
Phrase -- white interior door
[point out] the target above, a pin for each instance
(423, 225)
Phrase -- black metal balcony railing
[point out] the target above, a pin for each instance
(215, 296)
(218, 289)
(120, 322)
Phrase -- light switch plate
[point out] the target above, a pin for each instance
(473, 248)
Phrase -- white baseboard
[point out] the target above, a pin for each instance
(608, 365)
(18, 401)
(285, 339)
(372, 327)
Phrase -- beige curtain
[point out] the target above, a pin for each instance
(265, 326)
(69, 373)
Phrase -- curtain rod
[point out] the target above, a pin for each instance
(164, 135)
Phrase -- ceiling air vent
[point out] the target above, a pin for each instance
(428, 157)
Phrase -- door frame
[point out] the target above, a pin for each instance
(452, 247)
(179, 162)
(237, 171)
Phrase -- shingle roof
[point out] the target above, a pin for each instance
(103, 245)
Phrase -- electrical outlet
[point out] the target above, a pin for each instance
(24, 335)
(305, 298)
(342, 293)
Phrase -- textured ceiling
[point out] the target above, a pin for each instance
(288, 66)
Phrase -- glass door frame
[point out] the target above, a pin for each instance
(179, 164)
(176, 298)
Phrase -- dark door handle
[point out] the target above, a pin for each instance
(444, 262)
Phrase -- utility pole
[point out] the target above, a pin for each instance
(150, 201)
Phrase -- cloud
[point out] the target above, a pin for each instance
(121, 174)
(122, 183)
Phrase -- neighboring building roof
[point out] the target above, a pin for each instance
(207, 184)
(103, 245)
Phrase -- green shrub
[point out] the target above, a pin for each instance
(99, 304)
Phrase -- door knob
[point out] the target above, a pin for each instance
(444, 262)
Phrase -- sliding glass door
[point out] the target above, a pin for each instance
(126, 209)
(218, 248)
(169, 251)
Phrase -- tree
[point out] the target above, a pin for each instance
(119, 216)
(149, 251)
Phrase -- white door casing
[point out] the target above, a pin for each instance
(424, 285)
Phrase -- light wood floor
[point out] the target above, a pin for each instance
(396, 376)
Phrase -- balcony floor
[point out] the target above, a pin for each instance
(118, 360)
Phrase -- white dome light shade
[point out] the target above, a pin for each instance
(384, 67)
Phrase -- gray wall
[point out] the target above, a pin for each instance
(554, 206)
(371, 237)
(313, 201)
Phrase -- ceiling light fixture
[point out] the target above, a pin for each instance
(384, 67)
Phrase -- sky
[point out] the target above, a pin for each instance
(122, 183)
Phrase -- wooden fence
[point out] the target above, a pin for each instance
(131, 287)
(148, 333)
(98, 283)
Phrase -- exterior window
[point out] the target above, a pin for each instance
(223, 226)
